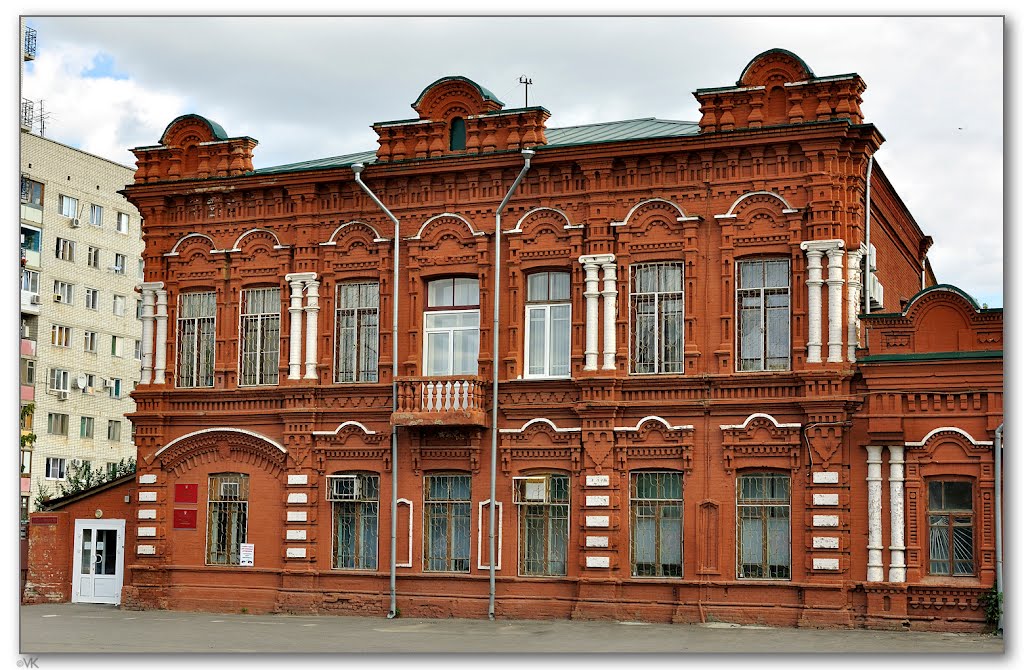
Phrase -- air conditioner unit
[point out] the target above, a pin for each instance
(229, 490)
(63, 395)
(343, 487)
(76, 223)
(35, 300)
(531, 489)
(57, 297)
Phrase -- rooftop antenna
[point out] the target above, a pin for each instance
(524, 80)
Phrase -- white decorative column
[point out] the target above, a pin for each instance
(853, 287)
(160, 362)
(591, 293)
(897, 564)
(312, 308)
(875, 570)
(610, 294)
(148, 300)
(835, 303)
(814, 250)
(295, 325)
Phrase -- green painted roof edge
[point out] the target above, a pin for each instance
(483, 91)
(217, 129)
(937, 287)
(776, 50)
(936, 356)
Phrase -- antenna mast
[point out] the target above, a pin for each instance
(526, 85)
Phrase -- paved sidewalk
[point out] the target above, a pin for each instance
(104, 628)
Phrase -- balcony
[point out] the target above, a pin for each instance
(29, 51)
(441, 401)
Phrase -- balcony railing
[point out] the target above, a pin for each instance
(441, 401)
(30, 44)
(27, 116)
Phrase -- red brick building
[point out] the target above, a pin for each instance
(692, 407)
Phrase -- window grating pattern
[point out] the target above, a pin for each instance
(656, 524)
(543, 527)
(950, 528)
(355, 526)
(446, 510)
(261, 336)
(196, 323)
(762, 314)
(762, 507)
(227, 515)
(656, 318)
(357, 317)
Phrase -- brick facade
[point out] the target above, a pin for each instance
(773, 173)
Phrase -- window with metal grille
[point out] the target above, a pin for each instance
(950, 528)
(656, 524)
(763, 533)
(543, 502)
(451, 327)
(446, 518)
(548, 311)
(228, 512)
(356, 319)
(196, 323)
(762, 314)
(261, 336)
(656, 318)
(354, 502)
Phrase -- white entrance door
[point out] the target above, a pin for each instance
(98, 561)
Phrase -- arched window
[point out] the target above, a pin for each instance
(457, 134)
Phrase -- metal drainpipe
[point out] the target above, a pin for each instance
(998, 455)
(867, 239)
(357, 168)
(527, 155)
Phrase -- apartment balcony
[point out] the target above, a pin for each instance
(441, 401)
(30, 302)
(29, 50)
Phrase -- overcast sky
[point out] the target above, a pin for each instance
(310, 87)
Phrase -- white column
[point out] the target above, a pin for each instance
(591, 293)
(312, 308)
(160, 364)
(610, 294)
(853, 286)
(295, 325)
(835, 304)
(148, 300)
(897, 564)
(875, 569)
(814, 254)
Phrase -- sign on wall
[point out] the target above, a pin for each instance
(245, 554)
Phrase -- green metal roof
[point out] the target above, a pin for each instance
(483, 91)
(931, 289)
(929, 356)
(595, 133)
(787, 52)
(215, 128)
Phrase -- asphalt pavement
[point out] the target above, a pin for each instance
(82, 628)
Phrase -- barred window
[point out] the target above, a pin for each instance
(548, 310)
(227, 516)
(656, 524)
(762, 506)
(656, 318)
(762, 314)
(196, 323)
(543, 502)
(261, 336)
(446, 511)
(356, 337)
(354, 505)
(950, 528)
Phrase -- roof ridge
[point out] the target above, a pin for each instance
(608, 123)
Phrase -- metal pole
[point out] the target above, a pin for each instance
(358, 168)
(997, 453)
(867, 240)
(527, 155)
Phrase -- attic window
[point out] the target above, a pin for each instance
(457, 135)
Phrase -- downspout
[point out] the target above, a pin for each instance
(527, 155)
(357, 168)
(867, 239)
(998, 455)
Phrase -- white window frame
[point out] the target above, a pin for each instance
(120, 304)
(455, 308)
(57, 423)
(30, 281)
(65, 290)
(113, 430)
(198, 348)
(68, 206)
(92, 298)
(123, 222)
(120, 260)
(96, 215)
(92, 258)
(60, 336)
(56, 468)
(259, 358)
(138, 350)
(90, 342)
(87, 428)
(362, 363)
(59, 380)
(761, 293)
(115, 388)
(545, 306)
(64, 250)
(658, 362)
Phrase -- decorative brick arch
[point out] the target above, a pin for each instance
(264, 235)
(540, 444)
(353, 227)
(647, 213)
(774, 64)
(194, 147)
(189, 241)
(761, 441)
(650, 442)
(432, 228)
(454, 96)
(352, 444)
(230, 445)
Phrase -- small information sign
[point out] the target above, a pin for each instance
(245, 554)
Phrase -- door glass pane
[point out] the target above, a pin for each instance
(106, 552)
(86, 566)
